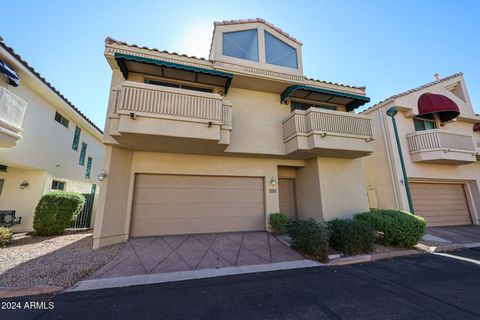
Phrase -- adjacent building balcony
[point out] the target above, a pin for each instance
(12, 110)
(441, 147)
(319, 132)
(158, 118)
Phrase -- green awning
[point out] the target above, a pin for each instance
(351, 101)
(124, 59)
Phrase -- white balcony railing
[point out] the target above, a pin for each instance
(442, 147)
(327, 121)
(319, 132)
(439, 140)
(12, 111)
(173, 103)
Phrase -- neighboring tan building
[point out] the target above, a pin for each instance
(440, 139)
(199, 146)
(45, 142)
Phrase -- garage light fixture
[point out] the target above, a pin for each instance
(273, 182)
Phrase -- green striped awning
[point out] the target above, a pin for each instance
(122, 60)
(350, 100)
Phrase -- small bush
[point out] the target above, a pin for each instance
(351, 236)
(55, 211)
(278, 222)
(6, 236)
(310, 238)
(400, 228)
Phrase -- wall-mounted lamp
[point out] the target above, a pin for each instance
(24, 184)
(273, 182)
(210, 124)
(133, 116)
(287, 102)
(102, 175)
(221, 93)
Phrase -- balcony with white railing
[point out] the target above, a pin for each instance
(158, 118)
(441, 147)
(320, 132)
(12, 110)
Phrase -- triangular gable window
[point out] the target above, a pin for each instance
(279, 53)
(241, 44)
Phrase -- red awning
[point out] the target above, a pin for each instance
(445, 107)
(476, 127)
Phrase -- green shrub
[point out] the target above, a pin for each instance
(310, 238)
(399, 228)
(55, 211)
(6, 236)
(351, 236)
(278, 222)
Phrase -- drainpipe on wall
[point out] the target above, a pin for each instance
(392, 112)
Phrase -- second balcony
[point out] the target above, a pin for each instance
(441, 147)
(327, 133)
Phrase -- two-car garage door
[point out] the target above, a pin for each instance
(181, 204)
(441, 204)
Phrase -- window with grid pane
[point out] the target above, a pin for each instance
(424, 122)
(61, 119)
(58, 185)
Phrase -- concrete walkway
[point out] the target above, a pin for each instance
(429, 287)
(194, 252)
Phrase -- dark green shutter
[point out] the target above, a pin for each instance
(76, 138)
(89, 168)
(83, 153)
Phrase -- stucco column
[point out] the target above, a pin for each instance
(114, 198)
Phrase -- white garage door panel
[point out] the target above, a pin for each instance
(193, 210)
(198, 196)
(203, 225)
(441, 204)
(175, 204)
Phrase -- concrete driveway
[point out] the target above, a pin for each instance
(193, 252)
(467, 234)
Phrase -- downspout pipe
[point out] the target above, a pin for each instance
(392, 112)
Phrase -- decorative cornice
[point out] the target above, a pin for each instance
(257, 71)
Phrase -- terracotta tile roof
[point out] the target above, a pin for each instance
(48, 84)
(337, 84)
(404, 93)
(259, 20)
(109, 40)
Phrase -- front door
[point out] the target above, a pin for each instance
(286, 194)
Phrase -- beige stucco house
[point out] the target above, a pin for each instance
(46, 143)
(199, 146)
(440, 139)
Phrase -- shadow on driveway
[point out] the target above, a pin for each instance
(416, 287)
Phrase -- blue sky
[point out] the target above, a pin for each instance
(389, 46)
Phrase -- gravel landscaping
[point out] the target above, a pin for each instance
(54, 261)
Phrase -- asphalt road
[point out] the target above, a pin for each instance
(416, 287)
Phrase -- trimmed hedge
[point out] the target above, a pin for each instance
(310, 238)
(55, 211)
(350, 236)
(400, 228)
(278, 222)
(6, 236)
